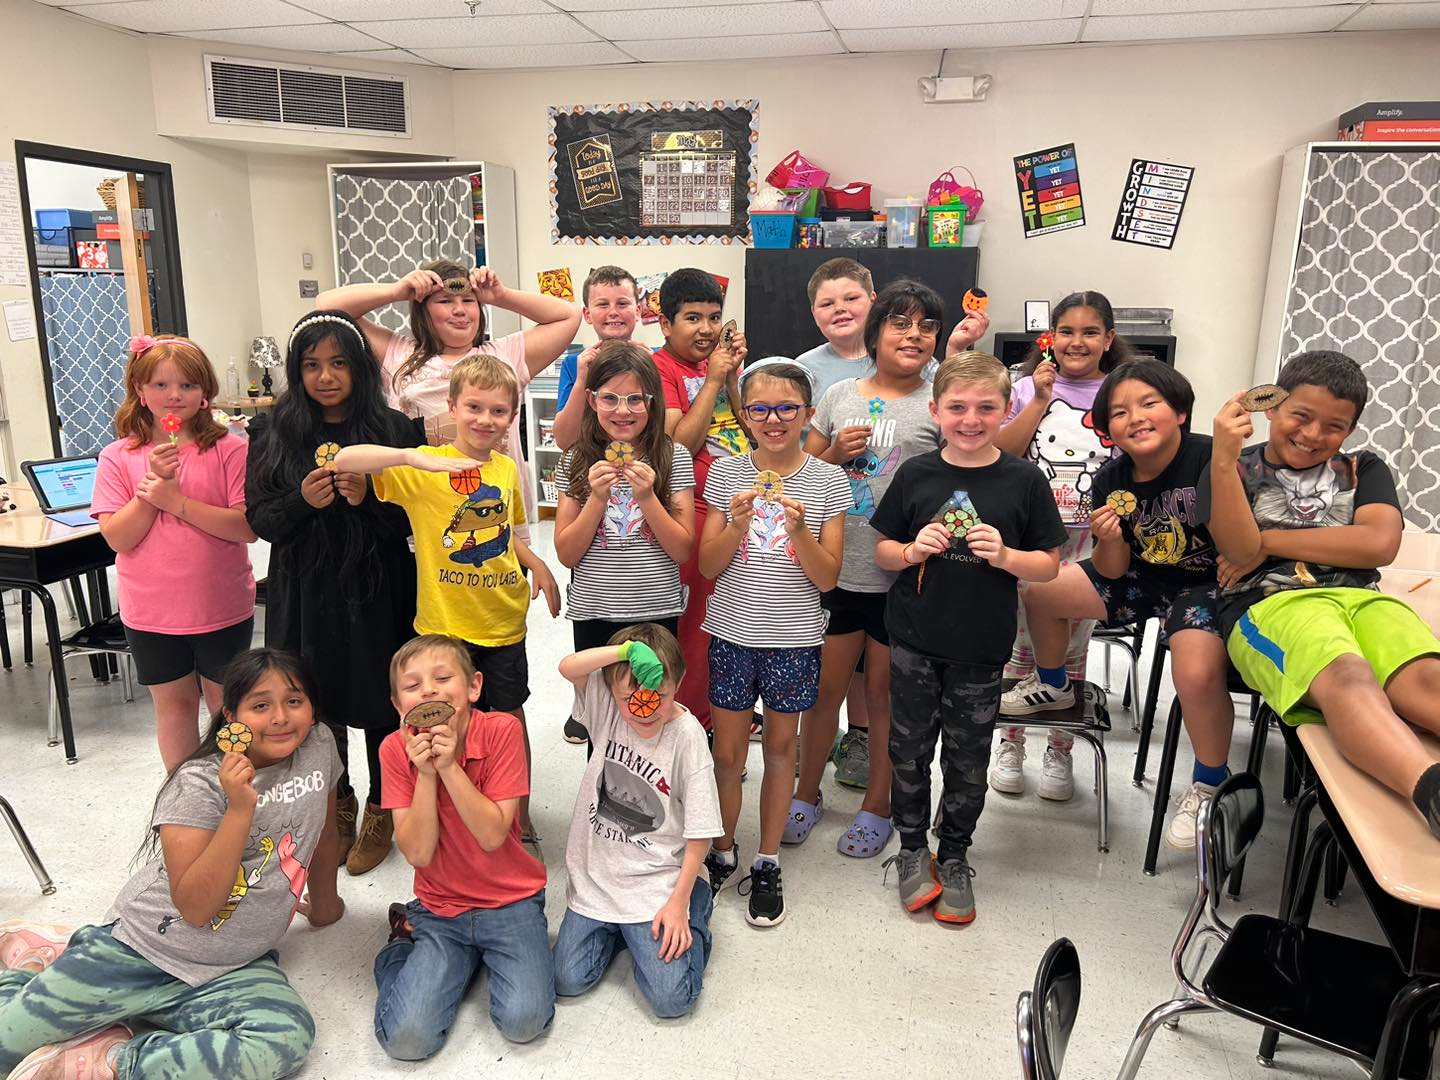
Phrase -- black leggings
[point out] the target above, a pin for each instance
(373, 738)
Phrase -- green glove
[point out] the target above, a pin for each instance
(644, 664)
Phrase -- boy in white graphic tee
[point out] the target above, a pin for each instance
(643, 822)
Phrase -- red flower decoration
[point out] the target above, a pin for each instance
(1044, 342)
(171, 423)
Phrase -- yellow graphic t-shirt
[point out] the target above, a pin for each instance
(470, 583)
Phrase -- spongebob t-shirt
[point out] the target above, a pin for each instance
(1166, 532)
(470, 583)
(290, 814)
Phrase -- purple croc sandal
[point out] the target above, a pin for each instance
(804, 816)
(866, 837)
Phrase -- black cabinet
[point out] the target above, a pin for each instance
(777, 312)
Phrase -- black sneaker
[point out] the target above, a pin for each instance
(721, 871)
(575, 731)
(767, 895)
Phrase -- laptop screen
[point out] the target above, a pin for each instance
(66, 484)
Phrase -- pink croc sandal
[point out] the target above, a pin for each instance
(866, 837)
(31, 946)
(803, 817)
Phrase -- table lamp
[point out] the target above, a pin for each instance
(265, 355)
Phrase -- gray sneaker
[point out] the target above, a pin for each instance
(852, 759)
(918, 884)
(957, 897)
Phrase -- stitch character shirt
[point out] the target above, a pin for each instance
(1167, 536)
(1280, 498)
(469, 580)
(903, 429)
(1066, 445)
(291, 813)
(640, 800)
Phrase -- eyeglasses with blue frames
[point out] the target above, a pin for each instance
(901, 324)
(785, 412)
(605, 401)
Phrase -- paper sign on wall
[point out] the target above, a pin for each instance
(1154, 198)
(1049, 185)
(14, 269)
(557, 283)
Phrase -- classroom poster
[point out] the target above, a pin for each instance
(1154, 198)
(649, 286)
(557, 283)
(1049, 185)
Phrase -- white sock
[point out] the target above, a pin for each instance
(727, 856)
(761, 860)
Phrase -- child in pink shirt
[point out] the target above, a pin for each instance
(170, 499)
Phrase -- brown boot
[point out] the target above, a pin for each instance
(373, 842)
(345, 820)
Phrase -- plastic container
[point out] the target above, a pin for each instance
(854, 196)
(810, 233)
(808, 204)
(973, 230)
(903, 221)
(772, 229)
(854, 234)
(945, 225)
(64, 219)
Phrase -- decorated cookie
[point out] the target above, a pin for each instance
(325, 455)
(727, 335)
(643, 702)
(457, 286)
(959, 521)
(1123, 503)
(234, 738)
(877, 409)
(977, 299)
(768, 485)
(1304, 576)
(429, 713)
(172, 424)
(1262, 397)
(620, 453)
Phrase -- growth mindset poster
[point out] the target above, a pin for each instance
(1153, 201)
(1049, 183)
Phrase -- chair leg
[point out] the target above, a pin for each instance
(127, 675)
(1259, 730)
(1161, 1014)
(1102, 793)
(1147, 717)
(5, 657)
(1162, 785)
(1335, 869)
(1132, 688)
(1317, 852)
(1106, 682)
(1291, 790)
(1418, 996)
(29, 638)
(47, 887)
(1295, 850)
(54, 712)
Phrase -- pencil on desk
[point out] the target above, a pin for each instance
(1421, 585)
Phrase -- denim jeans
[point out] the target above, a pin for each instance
(585, 947)
(421, 981)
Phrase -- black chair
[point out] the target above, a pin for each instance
(1045, 1014)
(1331, 991)
(47, 887)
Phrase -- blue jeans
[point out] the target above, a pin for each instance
(585, 947)
(421, 981)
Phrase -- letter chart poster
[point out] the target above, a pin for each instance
(1049, 183)
(667, 172)
(1154, 198)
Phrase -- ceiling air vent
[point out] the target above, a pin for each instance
(309, 98)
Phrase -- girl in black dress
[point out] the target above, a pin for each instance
(341, 585)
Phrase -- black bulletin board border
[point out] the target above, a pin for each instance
(616, 220)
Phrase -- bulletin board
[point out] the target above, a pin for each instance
(667, 172)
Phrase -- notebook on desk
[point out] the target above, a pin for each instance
(64, 487)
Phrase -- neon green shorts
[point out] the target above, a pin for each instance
(1285, 640)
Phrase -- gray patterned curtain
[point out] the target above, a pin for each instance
(87, 328)
(1366, 281)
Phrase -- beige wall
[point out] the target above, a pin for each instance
(1230, 109)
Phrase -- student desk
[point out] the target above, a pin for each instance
(36, 552)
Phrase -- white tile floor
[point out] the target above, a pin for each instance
(848, 986)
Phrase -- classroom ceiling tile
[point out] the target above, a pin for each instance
(393, 56)
(745, 47)
(1249, 23)
(705, 21)
(481, 32)
(1391, 16)
(1166, 7)
(970, 36)
(887, 14)
(175, 16)
(326, 37)
(72, 3)
(379, 10)
(574, 54)
(606, 5)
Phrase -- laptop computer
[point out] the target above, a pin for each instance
(63, 487)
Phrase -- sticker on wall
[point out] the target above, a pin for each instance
(1154, 198)
(1049, 185)
(557, 283)
(649, 286)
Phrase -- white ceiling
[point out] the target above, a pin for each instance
(574, 33)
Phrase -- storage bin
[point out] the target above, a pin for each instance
(809, 200)
(850, 197)
(794, 170)
(52, 255)
(973, 230)
(946, 225)
(903, 223)
(772, 229)
(854, 234)
(64, 219)
(849, 215)
(811, 235)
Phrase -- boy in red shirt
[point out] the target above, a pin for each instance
(454, 787)
(701, 392)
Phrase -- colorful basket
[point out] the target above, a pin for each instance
(772, 229)
(854, 196)
(794, 171)
(945, 188)
(807, 201)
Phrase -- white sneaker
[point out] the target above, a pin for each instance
(1180, 833)
(1057, 775)
(1007, 774)
(1030, 696)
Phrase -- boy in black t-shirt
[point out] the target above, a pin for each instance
(1303, 530)
(1153, 559)
(961, 524)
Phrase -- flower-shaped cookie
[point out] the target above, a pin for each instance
(620, 453)
(234, 738)
(325, 455)
(769, 485)
(1123, 503)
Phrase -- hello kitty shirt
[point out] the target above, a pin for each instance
(1066, 446)
(625, 575)
(763, 600)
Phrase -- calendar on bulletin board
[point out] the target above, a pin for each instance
(652, 172)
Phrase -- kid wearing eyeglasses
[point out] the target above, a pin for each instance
(772, 540)
(626, 517)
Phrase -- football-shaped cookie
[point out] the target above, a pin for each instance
(1262, 397)
(429, 713)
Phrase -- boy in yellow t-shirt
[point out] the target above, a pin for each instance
(463, 501)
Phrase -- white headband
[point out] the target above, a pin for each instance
(311, 320)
